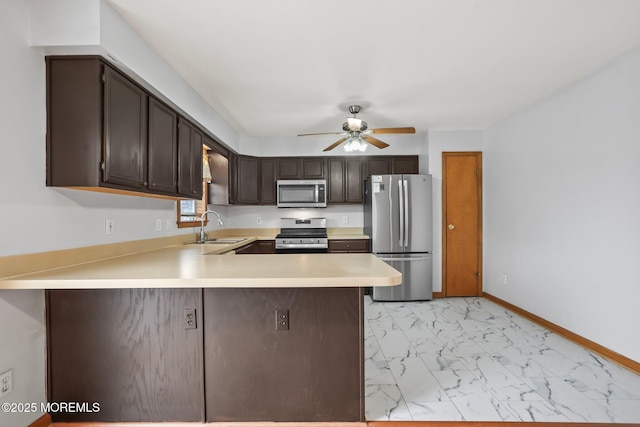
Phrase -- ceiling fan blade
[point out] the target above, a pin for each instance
(374, 141)
(335, 144)
(394, 130)
(321, 133)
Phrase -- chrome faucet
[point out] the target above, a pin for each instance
(203, 235)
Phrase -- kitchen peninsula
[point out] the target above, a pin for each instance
(183, 334)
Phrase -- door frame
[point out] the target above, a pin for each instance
(478, 155)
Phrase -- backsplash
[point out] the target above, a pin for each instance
(269, 216)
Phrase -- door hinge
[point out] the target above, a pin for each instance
(101, 165)
(478, 171)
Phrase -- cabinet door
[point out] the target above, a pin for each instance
(258, 247)
(190, 141)
(312, 372)
(247, 180)
(354, 183)
(290, 168)
(128, 350)
(404, 164)
(335, 169)
(163, 148)
(125, 131)
(268, 170)
(312, 168)
(349, 246)
(380, 165)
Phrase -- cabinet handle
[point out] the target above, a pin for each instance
(451, 227)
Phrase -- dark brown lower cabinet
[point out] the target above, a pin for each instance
(128, 351)
(311, 371)
(349, 246)
(258, 247)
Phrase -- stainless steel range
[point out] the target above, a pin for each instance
(307, 235)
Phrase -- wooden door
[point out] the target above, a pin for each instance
(462, 224)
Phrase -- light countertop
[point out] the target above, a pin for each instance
(198, 266)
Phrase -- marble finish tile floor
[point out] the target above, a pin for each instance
(470, 359)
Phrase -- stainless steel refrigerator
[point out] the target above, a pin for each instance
(398, 219)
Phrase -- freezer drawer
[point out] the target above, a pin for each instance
(417, 278)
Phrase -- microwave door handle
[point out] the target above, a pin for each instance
(317, 192)
(401, 213)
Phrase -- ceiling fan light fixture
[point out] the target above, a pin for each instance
(355, 144)
(355, 124)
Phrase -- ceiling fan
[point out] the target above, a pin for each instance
(357, 134)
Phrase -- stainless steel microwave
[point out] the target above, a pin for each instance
(302, 193)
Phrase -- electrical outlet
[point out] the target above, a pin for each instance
(109, 227)
(6, 382)
(258, 220)
(189, 318)
(158, 224)
(345, 219)
(503, 279)
(282, 320)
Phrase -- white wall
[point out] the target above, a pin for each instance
(413, 144)
(94, 27)
(22, 109)
(561, 207)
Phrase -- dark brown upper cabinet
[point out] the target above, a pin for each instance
(301, 168)
(404, 164)
(251, 176)
(268, 173)
(312, 168)
(97, 122)
(125, 131)
(163, 148)
(384, 165)
(379, 165)
(345, 180)
(190, 140)
(245, 180)
(116, 133)
(290, 168)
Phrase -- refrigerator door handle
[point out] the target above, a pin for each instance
(402, 213)
(405, 199)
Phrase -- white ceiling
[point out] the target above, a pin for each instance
(283, 67)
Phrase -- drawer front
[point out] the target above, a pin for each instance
(346, 245)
